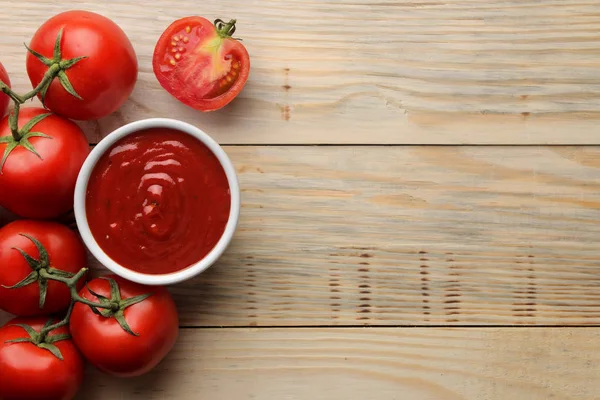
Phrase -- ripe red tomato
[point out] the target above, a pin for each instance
(104, 79)
(107, 346)
(4, 99)
(28, 372)
(65, 251)
(34, 187)
(200, 64)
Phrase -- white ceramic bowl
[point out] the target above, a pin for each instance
(81, 189)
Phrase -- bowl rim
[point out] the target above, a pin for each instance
(81, 189)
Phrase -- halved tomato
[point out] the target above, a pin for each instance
(200, 64)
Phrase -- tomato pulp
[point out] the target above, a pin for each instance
(158, 201)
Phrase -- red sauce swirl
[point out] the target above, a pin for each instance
(158, 201)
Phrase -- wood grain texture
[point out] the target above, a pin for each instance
(407, 236)
(359, 71)
(370, 364)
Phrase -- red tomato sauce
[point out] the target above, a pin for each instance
(158, 201)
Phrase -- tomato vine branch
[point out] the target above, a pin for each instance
(43, 271)
(56, 69)
(61, 323)
(71, 283)
(113, 307)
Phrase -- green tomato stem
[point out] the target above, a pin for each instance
(10, 93)
(13, 119)
(13, 122)
(72, 285)
(50, 74)
(225, 29)
(64, 322)
(56, 67)
(113, 307)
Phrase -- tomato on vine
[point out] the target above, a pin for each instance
(42, 154)
(200, 63)
(38, 361)
(28, 251)
(137, 329)
(4, 99)
(94, 62)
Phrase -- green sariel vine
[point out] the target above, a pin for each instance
(56, 69)
(42, 272)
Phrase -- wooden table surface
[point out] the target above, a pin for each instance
(420, 186)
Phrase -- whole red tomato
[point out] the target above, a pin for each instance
(104, 80)
(106, 344)
(200, 64)
(65, 252)
(4, 99)
(42, 186)
(28, 372)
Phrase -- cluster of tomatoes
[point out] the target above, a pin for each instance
(120, 327)
(82, 66)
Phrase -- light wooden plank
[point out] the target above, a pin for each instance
(435, 72)
(380, 235)
(407, 236)
(369, 364)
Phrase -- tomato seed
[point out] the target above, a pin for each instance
(188, 29)
(177, 56)
(186, 39)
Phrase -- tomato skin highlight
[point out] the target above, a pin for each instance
(42, 188)
(30, 373)
(66, 252)
(209, 73)
(111, 349)
(4, 99)
(104, 80)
